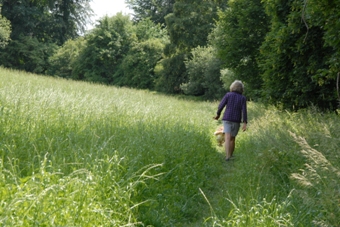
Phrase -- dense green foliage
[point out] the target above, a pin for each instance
(105, 48)
(5, 30)
(64, 59)
(293, 55)
(48, 21)
(138, 66)
(155, 10)
(325, 15)
(204, 74)
(237, 37)
(79, 154)
(190, 23)
(188, 26)
(37, 27)
(281, 50)
(171, 74)
(114, 52)
(28, 54)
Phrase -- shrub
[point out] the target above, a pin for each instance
(63, 60)
(203, 70)
(5, 30)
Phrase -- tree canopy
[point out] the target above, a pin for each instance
(106, 46)
(155, 10)
(48, 21)
(38, 27)
(295, 57)
(188, 27)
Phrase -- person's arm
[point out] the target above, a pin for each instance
(221, 106)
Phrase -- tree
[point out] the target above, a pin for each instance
(191, 22)
(170, 74)
(139, 63)
(203, 74)
(138, 66)
(325, 14)
(292, 56)
(63, 60)
(49, 21)
(239, 33)
(40, 24)
(155, 10)
(5, 30)
(147, 29)
(28, 54)
(189, 26)
(106, 46)
(70, 18)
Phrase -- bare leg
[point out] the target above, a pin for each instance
(232, 145)
(227, 145)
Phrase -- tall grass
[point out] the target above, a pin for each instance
(80, 154)
(100, 151)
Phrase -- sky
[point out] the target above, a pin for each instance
(107, 7)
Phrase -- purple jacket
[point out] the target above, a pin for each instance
(236, 107)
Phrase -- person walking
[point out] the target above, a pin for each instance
(235, 113)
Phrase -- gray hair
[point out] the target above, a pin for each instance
(237, 86)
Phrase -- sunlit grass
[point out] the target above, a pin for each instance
(77, 128)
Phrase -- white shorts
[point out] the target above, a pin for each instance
(231, 127)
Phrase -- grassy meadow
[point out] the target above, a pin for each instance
(81, 154)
